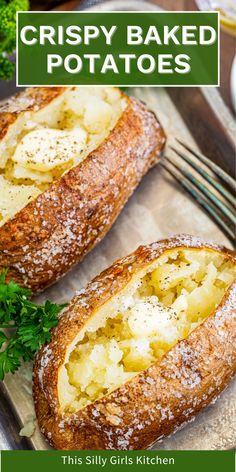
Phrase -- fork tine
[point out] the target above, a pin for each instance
(225, 210)
(197, 196)
(218, 171)
(207, 176)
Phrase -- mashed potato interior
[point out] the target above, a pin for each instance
(40, 146)
(168, 301)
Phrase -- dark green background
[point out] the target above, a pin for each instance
(32, 60)
(185, 461)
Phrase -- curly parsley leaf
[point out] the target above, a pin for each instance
(3, 338)
(8, 10)
(29, 325)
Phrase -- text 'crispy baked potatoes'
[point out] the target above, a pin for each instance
(140, 351)
(69, 160)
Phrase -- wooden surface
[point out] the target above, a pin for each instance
(227, 43)
(227, 46)
(52, 4)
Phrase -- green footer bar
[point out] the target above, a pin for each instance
(118, 461)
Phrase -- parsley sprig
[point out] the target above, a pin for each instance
(29, 325)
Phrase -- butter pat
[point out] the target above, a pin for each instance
(45, 149)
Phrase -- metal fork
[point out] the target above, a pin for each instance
(209, 190)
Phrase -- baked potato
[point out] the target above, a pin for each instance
(69, 160)
(140, 351)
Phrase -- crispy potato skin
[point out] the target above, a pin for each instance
(54, 231)
(31, 99)
(158, 400)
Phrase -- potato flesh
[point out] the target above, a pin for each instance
(171, 300)
(41, 146)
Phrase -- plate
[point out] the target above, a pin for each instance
(158, 208)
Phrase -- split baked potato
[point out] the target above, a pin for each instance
(140, 351)
(69, 160)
